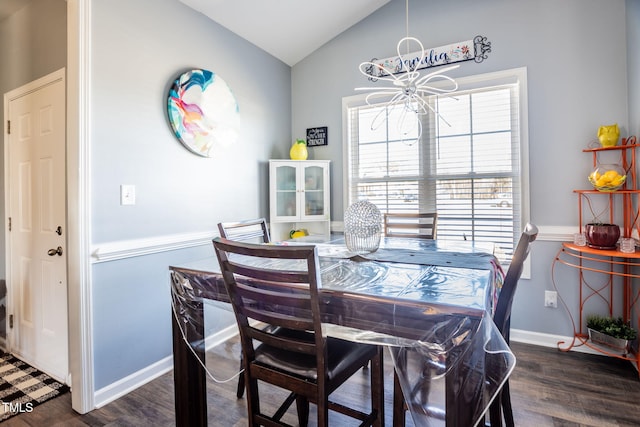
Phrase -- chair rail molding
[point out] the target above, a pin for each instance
(112, 251)
(121, 249)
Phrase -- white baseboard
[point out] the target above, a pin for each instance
(548, 340)
(126, 385)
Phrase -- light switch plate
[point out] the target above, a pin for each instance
(127, 194)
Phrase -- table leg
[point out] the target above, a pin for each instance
(189, 377)
(465, 385)
(399, 409)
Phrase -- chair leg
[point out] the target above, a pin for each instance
(495, 412)
(323, 411)
(240, 389)
(253, 402)
(377, 386)
(302, 405)
(507, 410)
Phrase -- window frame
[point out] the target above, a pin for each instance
(498, 78)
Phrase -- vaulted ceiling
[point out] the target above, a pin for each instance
(287, 29)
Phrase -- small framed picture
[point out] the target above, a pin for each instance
(317, 136)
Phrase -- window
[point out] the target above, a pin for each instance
(469, 166)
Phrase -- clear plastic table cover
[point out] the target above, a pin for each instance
(433, 311)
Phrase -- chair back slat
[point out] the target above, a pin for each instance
(285, 298)
(296, 345)
(411, 225)
(265, 274)
(502, 314)
(251, 230)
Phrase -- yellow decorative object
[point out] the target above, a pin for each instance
(607, 178)
(608, 135)
(294, 234)
(299, 150)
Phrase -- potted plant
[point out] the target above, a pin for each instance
(612, 332)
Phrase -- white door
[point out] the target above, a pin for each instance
(36, 276)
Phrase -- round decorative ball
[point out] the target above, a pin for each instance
(362, 227)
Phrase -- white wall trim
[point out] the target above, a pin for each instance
(122, 249)
(127, 384)
(111, 251)
(79, 204)
(547, 340)
(553, 233)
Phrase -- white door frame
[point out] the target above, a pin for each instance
(79, 204)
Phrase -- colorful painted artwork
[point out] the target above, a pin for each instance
(203, 111)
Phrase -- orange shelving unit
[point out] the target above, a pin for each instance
(616, 270)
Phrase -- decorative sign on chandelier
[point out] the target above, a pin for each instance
(408, 90)
(467, 50)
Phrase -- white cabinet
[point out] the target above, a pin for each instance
(299, 197)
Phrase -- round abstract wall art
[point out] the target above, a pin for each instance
(203, 111)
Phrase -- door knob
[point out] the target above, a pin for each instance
(54, 252)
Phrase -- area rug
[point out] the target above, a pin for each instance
(23, 387)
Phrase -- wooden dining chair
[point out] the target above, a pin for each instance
(413, 225)
(501, 406)
(294, 356)
(249, 230)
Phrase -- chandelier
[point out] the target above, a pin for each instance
(408, 88)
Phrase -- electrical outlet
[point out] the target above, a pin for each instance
(551, 299)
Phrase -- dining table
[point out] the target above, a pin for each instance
(429, 301)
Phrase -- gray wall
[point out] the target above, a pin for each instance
(138, 48)
(574, 51)
(33, 43)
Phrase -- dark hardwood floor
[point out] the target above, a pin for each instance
(548, 388)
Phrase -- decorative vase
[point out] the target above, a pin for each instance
(299, 150)
(608, 135)
(602, 236)
(362, 227)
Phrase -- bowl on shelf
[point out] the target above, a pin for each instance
(608, 178)
(602, 236)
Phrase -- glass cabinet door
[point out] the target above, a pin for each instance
(286, 204)
(314, 191)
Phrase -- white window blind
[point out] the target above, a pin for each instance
(468, 169)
